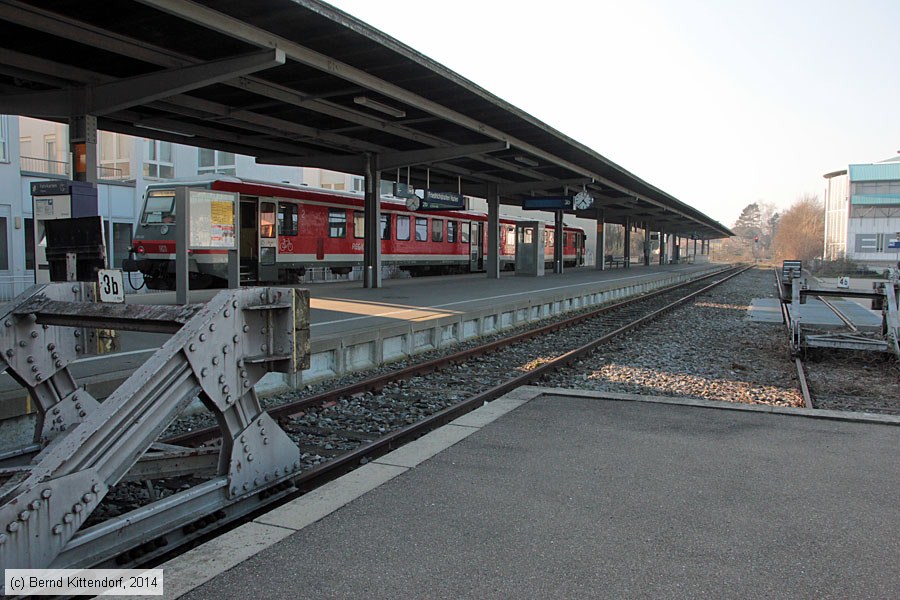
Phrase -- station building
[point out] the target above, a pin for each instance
(862, 213)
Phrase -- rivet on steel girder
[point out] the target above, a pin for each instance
(34, 504)
(23, 516)
(33, 334)
(227, 313)
(12, 527)
(202, 337)
(203, 372)
(212, 326)
(68, 518)
(57, 529)
(45, 494)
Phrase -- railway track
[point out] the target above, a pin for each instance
(342, 428)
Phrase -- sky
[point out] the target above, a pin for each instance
(719, 103)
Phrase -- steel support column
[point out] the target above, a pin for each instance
(372, 216)
(492, 252)
(646, 245)
(83, 146)
(601, 240)
(627, 251)
(662, 248)
(558, 239)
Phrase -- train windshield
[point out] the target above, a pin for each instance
(160, 207)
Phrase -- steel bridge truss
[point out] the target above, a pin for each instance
(82, 447)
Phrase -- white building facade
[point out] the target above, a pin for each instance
(862, 214)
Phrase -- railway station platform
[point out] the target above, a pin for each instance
(353, 328)
(549, 493)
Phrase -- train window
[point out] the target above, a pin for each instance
(337, 222)
(451, 231)
(437, 230)
(288, 220)
(464, 233)
(510, 236)
(386, 227)
(267, 219)
(160, 207)
(402, 227)
(359, 224)
(565, 239)
(421, 229)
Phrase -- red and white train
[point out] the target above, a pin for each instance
(285, 230)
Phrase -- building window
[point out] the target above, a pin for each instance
(117, 251)
(437, 230)
(359, 184)
(50, 147)
(402, 227)
(4, 142)
(158, 162)
(288, 219)
(359, 224)
(29, 244)
(214, 161)
(865, 242)
(451, 231)
(25, 147)
(337, 223)
(115, 155)
(4, 245)
(386, 227)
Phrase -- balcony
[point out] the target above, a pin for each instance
(43, 166)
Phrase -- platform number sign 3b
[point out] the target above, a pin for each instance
(111, 288)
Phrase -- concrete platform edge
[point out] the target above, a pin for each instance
(814, 413)
(196, 567)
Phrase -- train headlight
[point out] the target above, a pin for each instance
(140, 249)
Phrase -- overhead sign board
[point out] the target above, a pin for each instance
(403, 190)
(548, 203)
(435, 200)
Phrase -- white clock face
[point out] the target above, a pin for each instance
(583, 200)
(412, 203)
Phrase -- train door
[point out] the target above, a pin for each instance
(268, 240)
(579, 249)
(476, 247)
(249, 250)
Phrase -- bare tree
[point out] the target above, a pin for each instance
(801, 230)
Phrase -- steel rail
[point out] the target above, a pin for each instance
(804, 385)
(379, 382)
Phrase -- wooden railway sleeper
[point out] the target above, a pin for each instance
(219, 353)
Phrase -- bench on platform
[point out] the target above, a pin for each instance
(614, 261)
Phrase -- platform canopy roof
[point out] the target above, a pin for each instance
(298, 82)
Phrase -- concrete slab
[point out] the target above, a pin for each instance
(573, 496)
(815, 314)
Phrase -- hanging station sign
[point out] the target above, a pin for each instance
(548, 203)
(422, 200)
